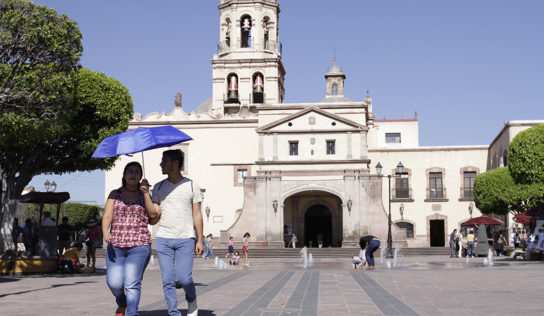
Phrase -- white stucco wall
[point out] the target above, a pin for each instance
(418, 160)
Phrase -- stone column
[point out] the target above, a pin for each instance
(275, 147)
(349, 154)
(261, 197)
(274, 218)
(261, 147)
(364, 147)
(350, 219)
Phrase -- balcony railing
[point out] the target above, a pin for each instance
(273, 46)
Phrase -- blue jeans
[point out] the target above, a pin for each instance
(126, 268)
(452, 248)
(373, 245)
(470, 248)
(176, 262)
(209, 250)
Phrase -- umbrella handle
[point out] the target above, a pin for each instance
(143, 164)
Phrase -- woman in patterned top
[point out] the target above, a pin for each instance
(127, 212)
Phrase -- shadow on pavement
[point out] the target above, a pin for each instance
(46, 288)
(162, 312)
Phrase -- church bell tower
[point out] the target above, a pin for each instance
(247, 69)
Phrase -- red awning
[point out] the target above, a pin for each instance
(483, 220)
(522, 218)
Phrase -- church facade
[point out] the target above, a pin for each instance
(327, 168)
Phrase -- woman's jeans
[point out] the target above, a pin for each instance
(470, 249)
(208, 251)
(176, 262)
(126, 268)
(373, 245)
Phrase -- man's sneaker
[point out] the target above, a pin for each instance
(192, 308)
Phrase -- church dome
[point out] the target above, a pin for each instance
(335, 71)
(205, 106)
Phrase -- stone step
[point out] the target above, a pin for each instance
(316, 252)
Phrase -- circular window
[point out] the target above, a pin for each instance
(333, 123)
(290, 124)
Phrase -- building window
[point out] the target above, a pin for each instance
(402, 188)
(331, 148)
(468, 184)
(409, 228)
(293, 148)
(392, 138)
(435, 185)
(242, 173)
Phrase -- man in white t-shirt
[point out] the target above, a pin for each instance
(177, 200)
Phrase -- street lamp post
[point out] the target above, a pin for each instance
(400, 169)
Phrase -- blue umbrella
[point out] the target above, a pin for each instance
(139, 139)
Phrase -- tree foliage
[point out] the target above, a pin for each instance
(80, 214)
(53, 113)
(519, 186)
(496, 191)
(526, 155)
(492, 190)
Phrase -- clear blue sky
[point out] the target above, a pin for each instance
(465, 66)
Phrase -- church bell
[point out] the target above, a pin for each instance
(246, 25)
(258, 85)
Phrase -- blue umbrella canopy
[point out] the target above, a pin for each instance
(139, 139)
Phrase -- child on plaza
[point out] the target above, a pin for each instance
(231, 247)
(235, 258)
(245, 246)
(357, 262)
(70, 258)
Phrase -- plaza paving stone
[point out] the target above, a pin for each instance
(416, 286)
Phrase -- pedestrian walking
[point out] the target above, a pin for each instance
(209, 247)
(127, 212)
(453, 242)
(470, 244)
(371, 244)
(245, 246)
(293, 241)
(93, 241)
(231, 247)
(178, 201)
(460, 244)
(501, 242)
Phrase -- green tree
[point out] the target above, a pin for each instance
(519, 186)
(80, 214)
(526, 156)
(53, 113)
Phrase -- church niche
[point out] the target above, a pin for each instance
(266, 22)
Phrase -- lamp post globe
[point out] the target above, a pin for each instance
(47, 185)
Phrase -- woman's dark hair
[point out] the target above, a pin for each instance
(130, 164)
(246, 235)
(362, 243)
(175, 154)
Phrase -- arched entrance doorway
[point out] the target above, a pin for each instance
(310, 213)
(318, 226)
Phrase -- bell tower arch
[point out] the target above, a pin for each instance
(247, 69)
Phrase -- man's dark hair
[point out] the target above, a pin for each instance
(175, 154)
